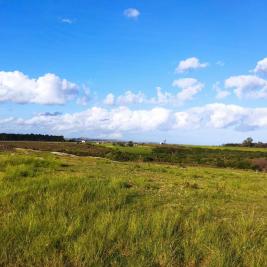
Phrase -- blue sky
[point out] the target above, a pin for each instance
(59, 60)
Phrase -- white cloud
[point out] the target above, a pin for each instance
(131, 13)
(220, 94)
(103, 121)
(84, 99)
(221, 116)
(190, 64)
(248, 86)
(48, 89)
(220, 63)
(67, 21)
(127, 98)
(6, 120)
(162, 98)
(131, 98)
(109, 99)
(261, 66)
(122, 121)
(189, 87)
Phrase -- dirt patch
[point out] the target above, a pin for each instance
(260, 164)
(63, 154)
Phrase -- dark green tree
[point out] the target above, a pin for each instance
(248, 142)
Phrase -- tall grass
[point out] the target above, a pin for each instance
(94, 212)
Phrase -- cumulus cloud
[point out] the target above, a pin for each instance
(190, 64)
(48, 89)
(128, 98)
(109, 99)
(56, 113)
(248, 86)
(221, 116)
(162, 98)
(122, 121)
(103, 121)
(84, 97)
(220, 63)
(220, 93)
(67, 20)
(132, 13)
(131, 98)
(261, 66)
(188, 88)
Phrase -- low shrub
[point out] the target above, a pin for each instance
(19, 171)
(260, 164)
(22, 167)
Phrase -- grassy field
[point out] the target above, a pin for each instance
(85, 211)
(238, 158)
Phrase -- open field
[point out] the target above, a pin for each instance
(226, 157)
(85, 211)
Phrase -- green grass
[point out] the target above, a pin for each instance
(137, 149)
(73, 211)
(227, 157)
(236, 148)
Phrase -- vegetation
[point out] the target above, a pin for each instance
(238, 158)
(80, 211)
(248, 143)
(209, 157)
(30, 137)
(77, 149)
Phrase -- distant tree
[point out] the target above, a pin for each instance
(248, 142)
(30, 137)
(130, 143)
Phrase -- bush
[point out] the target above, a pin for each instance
(22, 167)
(260, 164)
(6, 147)
(130, 144)
(122, 156)
(19, 171)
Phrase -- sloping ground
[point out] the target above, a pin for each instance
(64, 147)
(182, 155)
(73, 211)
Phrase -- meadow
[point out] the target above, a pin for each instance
(60, 210)
(223, 157)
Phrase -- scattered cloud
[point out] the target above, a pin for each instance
(190, 64)
(118, 120)
(67, 20)
(109, 99)
(56, 113)
(189, 87)
(221, 116)
(220, 93)
(261, 66)
(248, 86)
(47, 89)
(220, 63)
(127, 98)
(162, 98)
(84, 98)
(132, 13)
(131, 98)
(122, 120)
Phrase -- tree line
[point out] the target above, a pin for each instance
(248, 142)
(31, 137)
